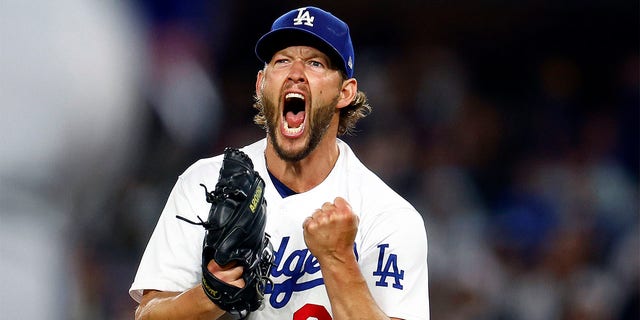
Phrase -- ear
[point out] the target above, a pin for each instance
(348, 92)
(259, 79)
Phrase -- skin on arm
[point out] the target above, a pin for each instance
(329, 234)
(190, 304)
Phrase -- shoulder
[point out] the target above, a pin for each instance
(207, 170)
(371, 194)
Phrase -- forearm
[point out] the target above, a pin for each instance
(348, 292)
(191, 304)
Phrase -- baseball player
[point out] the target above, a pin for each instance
(345, 245)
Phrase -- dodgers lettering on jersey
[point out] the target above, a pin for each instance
(301, 262)
(298, 264)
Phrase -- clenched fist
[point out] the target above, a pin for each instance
(331, 231)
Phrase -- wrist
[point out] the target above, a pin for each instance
(205, 304)
(338, 262)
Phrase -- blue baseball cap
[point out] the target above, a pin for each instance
(309, 26)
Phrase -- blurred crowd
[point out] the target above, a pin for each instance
(513, 129)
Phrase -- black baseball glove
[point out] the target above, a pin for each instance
(235, 234)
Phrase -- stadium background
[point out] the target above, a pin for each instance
(511, 125)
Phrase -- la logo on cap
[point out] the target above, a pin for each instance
(304, 17)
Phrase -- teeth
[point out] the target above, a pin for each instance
(294, 95)
(293, 131)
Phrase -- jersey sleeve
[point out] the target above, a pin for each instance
(172, 258)
(393, 260)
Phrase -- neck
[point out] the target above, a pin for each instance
(304, 175)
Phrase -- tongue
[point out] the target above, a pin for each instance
(294, 120)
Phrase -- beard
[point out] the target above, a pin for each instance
(319, 122)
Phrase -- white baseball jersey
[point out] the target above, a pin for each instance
(391, 243)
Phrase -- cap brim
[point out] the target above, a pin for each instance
(279, 39)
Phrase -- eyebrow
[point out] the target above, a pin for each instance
(309, 53)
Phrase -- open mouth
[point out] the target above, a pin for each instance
(293, 114)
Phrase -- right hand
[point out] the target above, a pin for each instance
(231, 273)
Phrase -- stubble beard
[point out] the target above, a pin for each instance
(319, 123)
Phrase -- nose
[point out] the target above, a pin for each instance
(296, 72)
